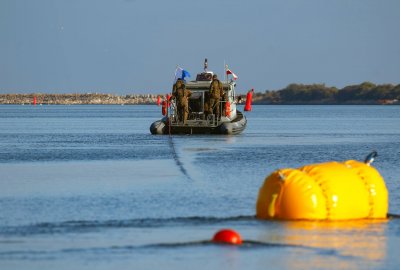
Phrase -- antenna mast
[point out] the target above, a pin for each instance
(225, 74)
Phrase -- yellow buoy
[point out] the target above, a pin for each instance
(324, 191)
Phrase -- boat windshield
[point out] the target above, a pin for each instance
(205, 76)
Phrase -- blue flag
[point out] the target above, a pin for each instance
(185, 73)
(180, 73)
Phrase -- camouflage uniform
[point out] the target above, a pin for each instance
(215, 93)
(183, 95)
(179, 83)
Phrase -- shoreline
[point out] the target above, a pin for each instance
(77, 99)
(151, 99)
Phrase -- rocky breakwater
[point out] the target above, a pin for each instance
(72, 99)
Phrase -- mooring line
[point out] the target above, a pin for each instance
(176, 158)
(174, 154)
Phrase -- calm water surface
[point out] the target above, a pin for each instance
(84, 187)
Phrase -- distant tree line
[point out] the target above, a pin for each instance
(364, 93)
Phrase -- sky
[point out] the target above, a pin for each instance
(134, 46)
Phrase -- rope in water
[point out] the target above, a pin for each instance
(174, 153)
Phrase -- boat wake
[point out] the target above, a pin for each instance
(83, 226)
(129, 249)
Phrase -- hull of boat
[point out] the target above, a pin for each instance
(236, 126)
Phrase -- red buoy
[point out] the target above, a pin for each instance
(158, 100)
(227, 236)
(227, 109)
(168, 100)
(34, 100)
(249, 97)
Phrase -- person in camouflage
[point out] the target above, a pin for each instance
(182, 97)
(176, 86)
(216, 91)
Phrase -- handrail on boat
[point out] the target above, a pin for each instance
(198, 117)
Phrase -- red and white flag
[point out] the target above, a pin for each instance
(228, 71)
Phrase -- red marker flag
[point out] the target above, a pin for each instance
(228, 71)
